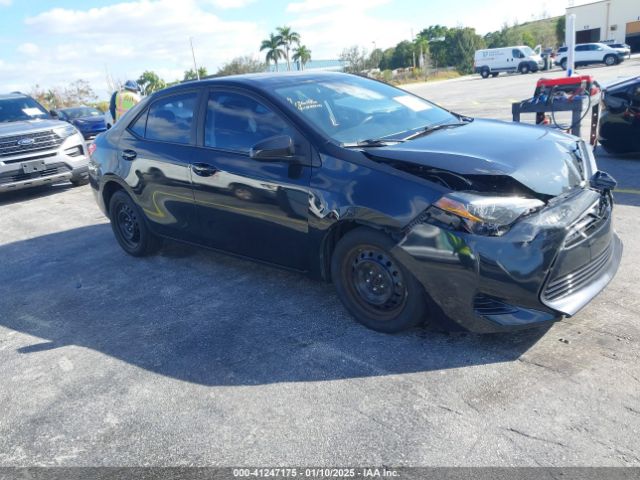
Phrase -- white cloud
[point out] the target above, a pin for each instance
(226, 4)
(28, 48)
(329, 26)
(5, 3)
(127, 38)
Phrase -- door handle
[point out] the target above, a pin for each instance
(129, 155)
(203, 169)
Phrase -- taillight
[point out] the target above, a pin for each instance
(91, 148)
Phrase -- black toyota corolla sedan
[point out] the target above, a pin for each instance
(415, 213)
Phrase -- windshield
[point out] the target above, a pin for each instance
(527, 51)
(20, 108)
(352, 109)
(77, 112)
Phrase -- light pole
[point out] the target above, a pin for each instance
(193, 54)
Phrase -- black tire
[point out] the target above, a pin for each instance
(524, 69)
(495, 74)
(484, 73)
(129, 226)
(563, 63)
(78, 182)
(373, 285)
(610, 60)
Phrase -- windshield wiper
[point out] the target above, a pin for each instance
(432, 128)
(372, 142)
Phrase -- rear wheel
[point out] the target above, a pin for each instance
(374, 287)
(129, 227)
(610, 60)
(485, 73)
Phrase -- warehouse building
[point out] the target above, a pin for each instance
(616, 21)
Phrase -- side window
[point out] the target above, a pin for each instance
(139, 125)
(237, 122)
(582, 48)
(170, 119)
(516, 53)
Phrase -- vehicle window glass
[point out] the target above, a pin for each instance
(516, 53)
(582, 48)
(237, 122)
(139, 125)
(562, 49)
(351, 109)
(170, 118)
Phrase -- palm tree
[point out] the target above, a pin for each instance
(272, 46)
(302, 55)
(287, 38)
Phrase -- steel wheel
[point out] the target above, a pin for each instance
(127, 225)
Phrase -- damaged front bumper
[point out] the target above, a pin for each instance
(548, 265)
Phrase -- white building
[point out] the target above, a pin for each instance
(615, 21)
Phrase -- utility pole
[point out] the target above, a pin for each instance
(193, 54)
(413, 51)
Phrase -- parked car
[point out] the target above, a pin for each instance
(589, 53)
(621, 48)
(415, 213)
(619, 126)
(88, 120)
(36, 149)
(492, 61)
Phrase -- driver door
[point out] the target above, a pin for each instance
(254, 208)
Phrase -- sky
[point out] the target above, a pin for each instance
(51, 43)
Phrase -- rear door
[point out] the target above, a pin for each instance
(251, 207)
(156, 153)
(583, 54)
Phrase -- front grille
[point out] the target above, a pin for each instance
(485, 305)
(46, 140)
(19, 176)
(571, 282)
(586, 226)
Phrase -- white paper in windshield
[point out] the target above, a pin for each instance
(413, 103)
(32, 112)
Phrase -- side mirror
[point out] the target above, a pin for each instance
(603, 181)
(279, 147)
(54, 114)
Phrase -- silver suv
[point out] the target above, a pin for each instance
(35, 149)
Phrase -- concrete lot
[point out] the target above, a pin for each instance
(196, 358)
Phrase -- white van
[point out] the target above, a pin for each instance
(492, 61)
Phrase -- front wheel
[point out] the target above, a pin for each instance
(129, 227)
(609, 60)
(524, 68)
(373, 285)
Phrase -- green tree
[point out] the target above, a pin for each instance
(439, 54)
(354, 58)
(302, 55)
(192, 75)
(402, 55)
(287, 38)
(386, 60)
(561, 25)
(421, 47)
(274, 52)
(462, 44)
(241, 65)
(150, 82)
(374, 58)
(434, 32)
(528, 39)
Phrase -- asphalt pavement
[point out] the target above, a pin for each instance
(195, 358)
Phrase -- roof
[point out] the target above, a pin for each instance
(266, 80)
(4, 96)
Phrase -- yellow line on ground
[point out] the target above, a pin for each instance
(627, 190)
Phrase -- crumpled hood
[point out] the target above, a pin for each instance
(28, 126)
(536, 157)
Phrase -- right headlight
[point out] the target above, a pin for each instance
(482, 214)
(65, 131)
